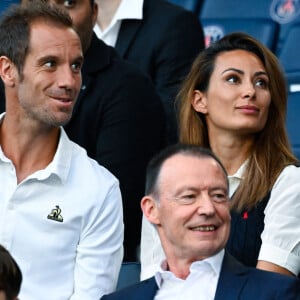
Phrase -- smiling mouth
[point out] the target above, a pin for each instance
(205, 228)
(62, 99)
(250, 108)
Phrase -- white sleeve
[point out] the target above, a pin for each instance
(100, 249)
(281, 234)
(152, 253)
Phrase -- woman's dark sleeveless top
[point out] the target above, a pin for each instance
(246, 227)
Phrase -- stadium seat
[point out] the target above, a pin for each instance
(220, 17)
(293, 122)
(192, 5)
(286, 13)
(4, 4)
(129, 274)
(289, 58)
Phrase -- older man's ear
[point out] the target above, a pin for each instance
(150, 209)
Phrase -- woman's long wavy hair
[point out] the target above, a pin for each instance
(271, 152)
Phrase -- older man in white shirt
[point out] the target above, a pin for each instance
(187, 201)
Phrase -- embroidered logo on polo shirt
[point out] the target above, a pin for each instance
(55, 214)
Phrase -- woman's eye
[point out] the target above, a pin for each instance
(232, 79)
(262, 83)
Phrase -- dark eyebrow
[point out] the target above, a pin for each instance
(46, 58)
(261, 73)
(79, 58)
(242, 72)
(43, 59)
(233, 69)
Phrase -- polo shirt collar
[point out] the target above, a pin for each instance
(61, 163)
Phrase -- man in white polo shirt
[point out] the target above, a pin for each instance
(60, 212)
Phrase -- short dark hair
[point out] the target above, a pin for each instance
(156, 163)
(10, 275)
(91, 1)
(15, 28)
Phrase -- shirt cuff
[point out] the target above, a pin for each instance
(280, 257)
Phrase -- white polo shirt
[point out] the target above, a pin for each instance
(63, 225)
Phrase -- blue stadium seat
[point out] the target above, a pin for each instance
(220, 17)
(236, 9)
(4, 4)
(262, 29)
(289, 58)
(286, 13)
(293, 121)
(129, 274)
(192, 5)
(283, 12)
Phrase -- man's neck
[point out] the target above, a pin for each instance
(106, 12)
(29, 150)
